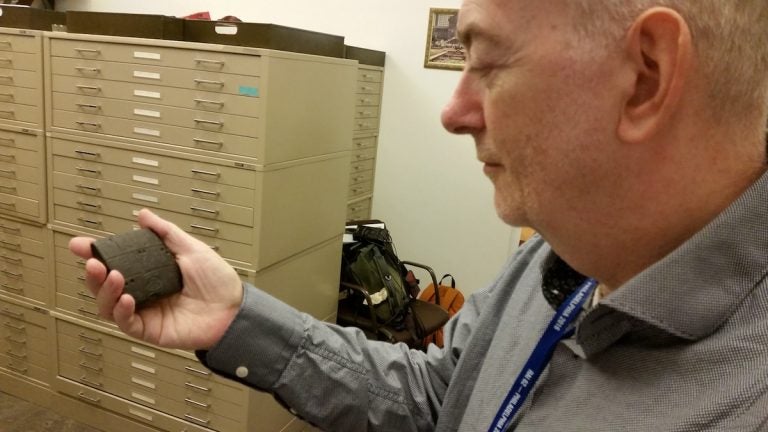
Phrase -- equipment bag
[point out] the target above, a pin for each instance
(372, 264)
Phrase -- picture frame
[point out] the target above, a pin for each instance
(443, 49)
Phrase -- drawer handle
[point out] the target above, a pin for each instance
(90, 205)
(88, 87)
(12, 274)
(87, 366)
(204, 210)
(80, 261)
(88, 170)
(208, 173)
(84, 336)
(9, 312)
(6, 77)
(7, 156)
(195, 419)
(196, 387)
(9, 228)
(17, 369)
(12, 244)
(209, 82)
(88, 51)
(12, 354)
(90, 353)
(12, 288)
(220, 124)
(16, 341)
(90, 188)
(209, 102)
(81, 278)
(7, 204)
(89, 399)
(89, 106)
(90, 70)
(8, 140)
(203, 191)
(205, 141)
(8, 95)
(11, 326)
(8, 188)
(5, 42)
(5, 60)
(88, 124)
(89, 221)
(199, 372)
(9, 112)
(87, 153)
(205, 228)
(9, 259)
(214, 62)
(214, 247)
(89, 382)
(196, 403)
(85, 311)
(86, 295)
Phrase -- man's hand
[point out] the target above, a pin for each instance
(194, 318)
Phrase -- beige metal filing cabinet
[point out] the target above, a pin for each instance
(25, 322)
(246, 149)
(365, 139)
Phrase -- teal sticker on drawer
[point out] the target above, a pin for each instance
(248, 91)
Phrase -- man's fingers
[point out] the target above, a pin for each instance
(95, 273)
(81, 246)
(124, 314)
(177, 240)
(109, 293)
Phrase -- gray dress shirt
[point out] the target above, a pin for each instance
(683, 346)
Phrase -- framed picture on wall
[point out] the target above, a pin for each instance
(443, 49)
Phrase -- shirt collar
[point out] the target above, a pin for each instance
(692, 291)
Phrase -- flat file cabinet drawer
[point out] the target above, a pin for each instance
(210, 61)
(20, 61)
(369, 75)
(20, 43)
(24, 289)
(362, 165)
(22, 156)
(19, 206)
(155, 75)
(182, 98)
(155, 163)
(20, 95)
(359, 210)
(150, 198)
(12, 242)
(112, 225)
(30, 232)
(364, 87)
(22, 113)
(154, 113)
(366, 112)
(19, 316)
(363, 154)
(367, 99)
(11, 257)
(360, 177)
(87, 170)
(13, 171)
(20, 188)
(210, 143)
(366, 124)
(191, 223)
(359, 143)
(20, 78)
(360, 189)
(22, 140)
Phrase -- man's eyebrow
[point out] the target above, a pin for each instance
(471, 33)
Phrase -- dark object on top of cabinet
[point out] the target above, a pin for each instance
(365, 56)
(125, 24)
(30, 18)
(261, 35)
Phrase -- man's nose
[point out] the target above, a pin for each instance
(464, 112)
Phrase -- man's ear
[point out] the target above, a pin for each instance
(659, 48)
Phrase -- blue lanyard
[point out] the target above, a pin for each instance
(558, 329)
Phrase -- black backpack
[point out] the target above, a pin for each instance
(371, 263)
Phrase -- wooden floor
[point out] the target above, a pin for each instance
(17, 415)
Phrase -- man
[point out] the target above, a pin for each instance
(631, 136)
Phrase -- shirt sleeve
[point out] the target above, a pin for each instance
(331, 376)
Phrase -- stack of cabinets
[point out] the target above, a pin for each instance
(24, 295)
(245, 149)
(364, 142)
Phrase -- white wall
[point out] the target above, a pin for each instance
(429, 187)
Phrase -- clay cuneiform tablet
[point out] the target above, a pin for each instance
(149, 268)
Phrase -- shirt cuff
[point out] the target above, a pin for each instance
(260, 342)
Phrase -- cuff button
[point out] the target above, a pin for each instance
(241, 372)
